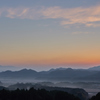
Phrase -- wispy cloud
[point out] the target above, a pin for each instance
(79, 32)
(68, 16)
(22, 13)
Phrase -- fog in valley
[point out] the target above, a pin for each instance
(63, 78)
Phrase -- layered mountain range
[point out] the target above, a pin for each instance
(59, 74)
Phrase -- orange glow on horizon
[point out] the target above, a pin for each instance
(52, 61)
(63, 56)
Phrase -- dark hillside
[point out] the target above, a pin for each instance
(33, 94)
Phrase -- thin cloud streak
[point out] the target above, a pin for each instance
(68, 16)
(81, 32)
(22, 13)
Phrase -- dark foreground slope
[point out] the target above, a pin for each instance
(81, 93)
(33, 94)
(97, 97)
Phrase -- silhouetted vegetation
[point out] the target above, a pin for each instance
(97, 97)
(33, 94)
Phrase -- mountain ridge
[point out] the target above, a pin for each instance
(96, 68)
(55, 74)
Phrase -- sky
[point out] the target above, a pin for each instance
(44, 34)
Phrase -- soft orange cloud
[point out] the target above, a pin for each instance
(80, 15)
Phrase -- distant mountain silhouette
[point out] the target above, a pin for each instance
(24, 73)
(93, 77)
(67, 74)
(57, 69)
(96, 68)
(56, 74)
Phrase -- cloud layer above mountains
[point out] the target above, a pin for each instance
(89, 16)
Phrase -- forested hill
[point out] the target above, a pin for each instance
(33, 94)
(81, 93)
(96, 97)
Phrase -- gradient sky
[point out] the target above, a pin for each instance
(44, 34)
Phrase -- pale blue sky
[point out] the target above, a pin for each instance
(63, 3)
(51, 33)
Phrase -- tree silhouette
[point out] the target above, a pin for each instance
(33, 94)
